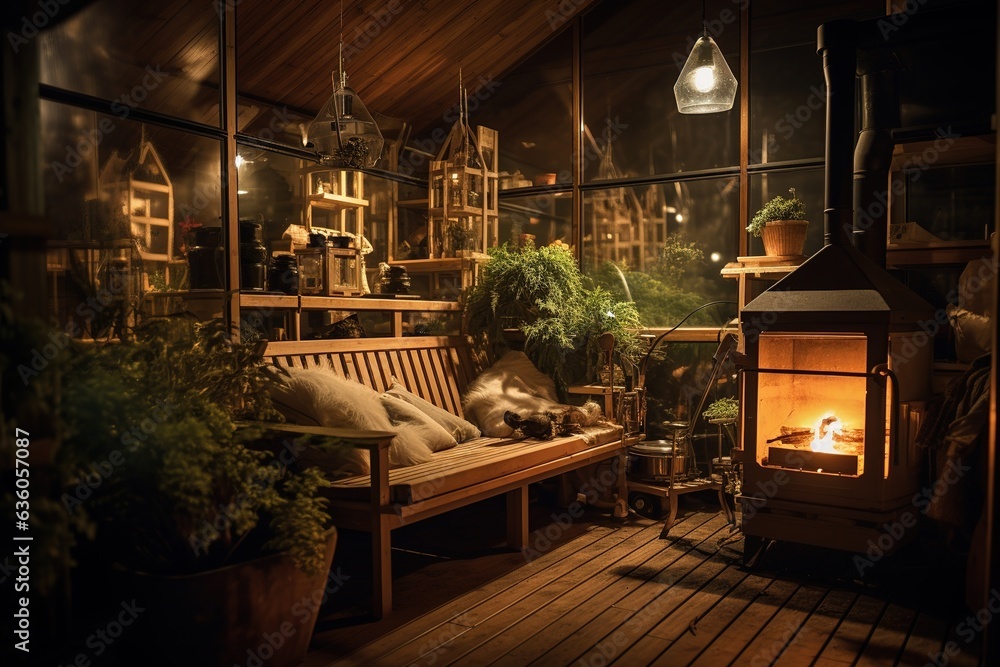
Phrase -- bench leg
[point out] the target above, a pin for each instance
(381, 568)
(517, 517)
(621, 503)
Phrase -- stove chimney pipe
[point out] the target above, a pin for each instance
(836, 43)
(873, 155)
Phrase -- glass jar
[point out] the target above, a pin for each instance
(284, 274)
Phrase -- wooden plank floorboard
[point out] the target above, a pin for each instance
(852, 634)
(376, 639)
(613, 593)
(750, 623)
(684, 619)
(621, 626)
(817, 629)
(573, 611)
(926, 639)
(886, 643)
(501, 612)
(713, 623)
(782, 631)
(963, 631)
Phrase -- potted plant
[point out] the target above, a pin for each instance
(781, 224)
(218, 541)
(561, 313)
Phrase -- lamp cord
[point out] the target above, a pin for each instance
(658, 339)
(704, 18)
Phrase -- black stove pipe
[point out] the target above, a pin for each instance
(836, 43)
(873, 155)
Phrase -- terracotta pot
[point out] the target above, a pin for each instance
(784, 238)
(261, 611)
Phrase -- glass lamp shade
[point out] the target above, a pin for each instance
(344, 133)
(706, 84)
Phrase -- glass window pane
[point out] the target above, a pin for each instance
(124, 212)
(532, 110)
(163, 56)
(787, 94)
(543, 219)
(808, 184)
(666, 243)
(632, 55)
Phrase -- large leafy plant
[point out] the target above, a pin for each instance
(153, 422)
(561, 313)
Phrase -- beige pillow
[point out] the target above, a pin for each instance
(431, 433)
(459, 428)
(320, 397)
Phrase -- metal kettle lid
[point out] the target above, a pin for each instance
(653, 447)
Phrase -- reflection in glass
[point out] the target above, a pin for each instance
(115, 49)
(125, 201)
(663, 245)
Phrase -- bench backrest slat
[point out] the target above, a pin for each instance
(436, 368)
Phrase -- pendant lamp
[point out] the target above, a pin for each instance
(706, 84)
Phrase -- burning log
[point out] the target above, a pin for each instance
(801, 435)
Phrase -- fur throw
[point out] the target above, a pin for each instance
(514, 384)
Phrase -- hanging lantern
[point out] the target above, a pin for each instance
(344, 134)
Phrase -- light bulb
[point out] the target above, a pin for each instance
(704, 79)
(239, 161)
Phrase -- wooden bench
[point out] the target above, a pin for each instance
(438, 369)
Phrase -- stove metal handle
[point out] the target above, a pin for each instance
(883, 371)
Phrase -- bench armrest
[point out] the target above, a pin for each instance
(373, 441)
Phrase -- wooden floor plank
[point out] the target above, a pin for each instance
(886, 643)
(613, 593)
(782, 632)
(711, 625)
(684, 619)
(497, 615)
(816, 631)
(743, 630)
(926, 639)
(852, 634)
(965, 637)
(571, 612)
(599, 585)
(621, 626)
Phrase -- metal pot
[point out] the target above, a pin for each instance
(651, 460)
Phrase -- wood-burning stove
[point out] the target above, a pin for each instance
(837, 362)
(836, 372)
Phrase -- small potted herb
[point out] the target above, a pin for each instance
(781, 224)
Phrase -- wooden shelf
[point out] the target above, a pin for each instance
(936, 253)
(300, 302)
(332, 202)
(419, 204)
(439, 264)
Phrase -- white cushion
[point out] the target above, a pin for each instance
(459, 428)
(320, 397)
(431, 433)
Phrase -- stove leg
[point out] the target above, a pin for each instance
(668, 524)
(753, 549)
(727, 509)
